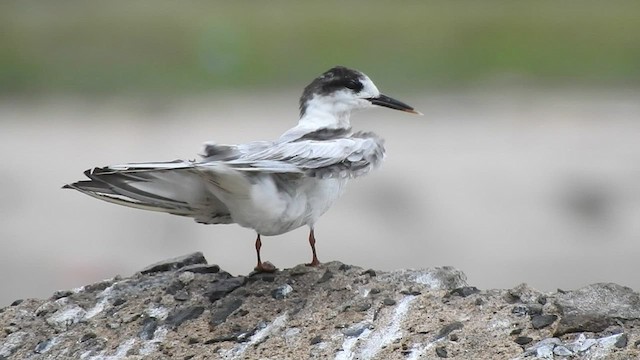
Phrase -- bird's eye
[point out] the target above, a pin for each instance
(353, 85)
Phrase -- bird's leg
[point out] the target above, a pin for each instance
(312, 242)
(262, 267)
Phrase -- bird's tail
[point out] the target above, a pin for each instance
(171, 187)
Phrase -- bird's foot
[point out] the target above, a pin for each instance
(315, 262)
(265, 267)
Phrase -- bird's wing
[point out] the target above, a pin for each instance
(341, 157)
(175, 187)
(222, 152)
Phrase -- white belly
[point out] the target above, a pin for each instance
(273, 211)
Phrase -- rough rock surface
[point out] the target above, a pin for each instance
(184, 308)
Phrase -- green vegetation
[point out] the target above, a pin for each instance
(175, 46)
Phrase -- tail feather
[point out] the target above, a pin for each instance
(172, 187)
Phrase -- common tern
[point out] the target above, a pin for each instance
(272, 187)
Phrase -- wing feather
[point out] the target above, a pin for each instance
(340, 157)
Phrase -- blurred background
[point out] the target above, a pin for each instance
(525, 167)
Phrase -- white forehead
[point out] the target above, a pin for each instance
(369, 87)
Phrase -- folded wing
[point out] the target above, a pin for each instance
(342, 157)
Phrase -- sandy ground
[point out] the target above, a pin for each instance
(510, 186)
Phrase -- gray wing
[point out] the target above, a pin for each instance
(222, 152)
(341, 157)
(175, 187)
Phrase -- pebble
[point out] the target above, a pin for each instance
(220, 315)
(87, 336)
(370, 272)
(182, 295)
(388, 302)
(441, 351)
(355, 330)
(149, 326)
(119, 301)
(202, 268)
(179, 316)
(545, 351)
(447, 329)
(464, 291)
(534, 309)
(622, 341)
(59, 294)
(520, 310)
(186, 277)
(523, 340)
(219, 289)
(315, 340)
(43, 346)
(561, 350)
(328, 275)
(542, 321)
(175, 263)
(281, 292)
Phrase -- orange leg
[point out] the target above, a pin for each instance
(262, 267)
(312, 242)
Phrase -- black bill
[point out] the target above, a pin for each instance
(384, 100)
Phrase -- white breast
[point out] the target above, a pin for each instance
(273, 211)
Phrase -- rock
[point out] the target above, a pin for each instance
(542, 321)
(219, 315)
(60, 294)
(388, 302)
(281, 292)
(43, 346)
(581, 344)
(622, 341)
(202, 268)
(523, 340)
(445, 277)
(562, 351)
(464, 291)
(582, 322)
(119, 301)
(178, 316)
(524, 293)
(332, 311)
(520, 310)
(181, 295)
(369, 272)
(88, 336)
(534, 309)
(222, 287)
(67, 316)
(325, 277)
(149, 326)
(594, 307)
(196, 258)
(445, 330)
(12, 343)
(356, 330)
(186, 277)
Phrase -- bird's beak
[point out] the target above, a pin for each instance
(384, 100)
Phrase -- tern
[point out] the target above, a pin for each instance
(272, 187)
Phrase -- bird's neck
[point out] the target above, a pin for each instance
(316, 116)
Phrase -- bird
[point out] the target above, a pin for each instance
(272, 187)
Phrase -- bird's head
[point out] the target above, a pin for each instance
(341, 90)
